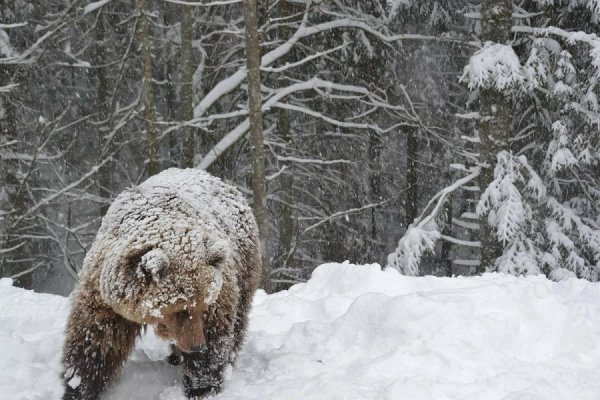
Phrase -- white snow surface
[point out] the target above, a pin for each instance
(355, 332)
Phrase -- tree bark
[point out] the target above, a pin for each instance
(259, 187)
(102, 101)
(374, 179)
(12, 200)
(447, 245)
(412, 176)
(286, 221)
(286, 233)
(147, 87)
(494, 126)
(169, 68)
(187, 75)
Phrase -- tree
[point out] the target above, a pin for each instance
(187, 97)
(538, 213)
(259, 187)
(495, 108)
(148, 99)
(105, 147)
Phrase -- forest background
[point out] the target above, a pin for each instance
(436, 137)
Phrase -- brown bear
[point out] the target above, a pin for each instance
(179, 252)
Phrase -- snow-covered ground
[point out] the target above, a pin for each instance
(356, 332)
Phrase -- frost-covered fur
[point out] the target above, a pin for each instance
(179, 252)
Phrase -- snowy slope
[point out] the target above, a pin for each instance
(356, 332)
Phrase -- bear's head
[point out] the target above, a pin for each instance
(167, 281)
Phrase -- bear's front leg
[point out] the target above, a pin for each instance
(98, 342)
(202, 374)
(203, 371)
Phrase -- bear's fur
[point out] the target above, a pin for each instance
(179, 252)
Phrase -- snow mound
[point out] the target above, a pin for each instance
(356, 332)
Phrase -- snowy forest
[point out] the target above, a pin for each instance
(446, 137)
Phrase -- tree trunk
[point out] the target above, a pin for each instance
(412, 183)
(187, 75)
(447, 245)
(374, 179)
(147, 87)
(11, 191)
(286, 221)
(286, 233)
(259, 187)
(169, 66)
(102, 101)
(494, 126)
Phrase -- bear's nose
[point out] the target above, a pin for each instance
(198, 349)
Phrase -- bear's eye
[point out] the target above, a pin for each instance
(216, 260)
(181, 315)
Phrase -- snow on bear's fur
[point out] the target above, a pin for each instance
(179, 252)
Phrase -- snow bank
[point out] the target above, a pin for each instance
(356, 332)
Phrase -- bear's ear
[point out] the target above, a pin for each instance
(154, 263)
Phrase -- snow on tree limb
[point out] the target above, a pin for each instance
(27, 56)
(227, 85)
(47, 200)
(333, 121)
(233, 136)
(441, 195)
(15, 25)
(12, 248)
(94, 6)
(202, 3)
(572, 37)
(494, 66)
(422, 235)
(306, 59)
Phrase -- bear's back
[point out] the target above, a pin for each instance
(188, 195)
(199, 189)
(210, 198)
(167, 205)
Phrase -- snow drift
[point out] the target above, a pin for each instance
(356, 332)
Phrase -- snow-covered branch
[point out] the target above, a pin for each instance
(443, 194)
(227, 85)
(306, 59)
(422, 235)
(341, 214)
(47, 200)
(572, 37)
(312, 161)
(233, 136)
(11, 26)
(18, 246)
(203, 3)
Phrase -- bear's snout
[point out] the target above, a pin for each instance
(184, 328)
